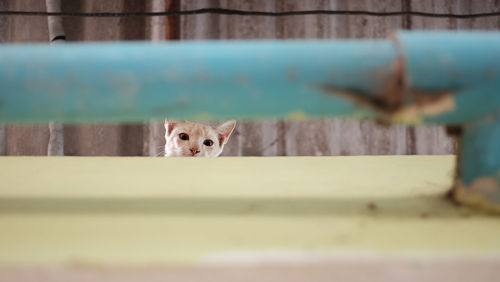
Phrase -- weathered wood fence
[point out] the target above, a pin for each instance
(323, 137)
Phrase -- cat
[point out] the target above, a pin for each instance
(189, 139)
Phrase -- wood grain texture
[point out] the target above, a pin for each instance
(55, 145)
(27, 139)
(205, 26)
(104, 140)
(5, 23)
(3, 143)
(5, 34)
(28, 29)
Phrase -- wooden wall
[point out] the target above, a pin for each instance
(266, 138)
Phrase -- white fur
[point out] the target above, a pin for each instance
(198, 133)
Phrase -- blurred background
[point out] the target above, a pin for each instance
(262, 138)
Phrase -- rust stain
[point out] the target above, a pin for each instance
(359, 99)
(397, 101)
(388, 101)
(422, 97)
(490, 73)
(395, 93)
(485, 185)
(243, 80)
(291, 74)
(476, 193)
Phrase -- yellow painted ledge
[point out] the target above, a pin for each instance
(154, 211)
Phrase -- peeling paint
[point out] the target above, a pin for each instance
(414, 113)
(296, 115)
(409, 115)
(203, 116)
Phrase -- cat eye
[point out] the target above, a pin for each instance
(183, 136)
(208, 142)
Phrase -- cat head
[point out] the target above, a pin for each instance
(189, 139)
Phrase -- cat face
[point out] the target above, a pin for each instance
(189, 139)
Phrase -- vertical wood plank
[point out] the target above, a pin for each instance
(74, 26)
(91, 140)
(173, 23)
(27, 139)
(489, 23)
(157, 29)
(437, 6)
(55, 146)
(204, 26)
(130, 140)
(433, 140)
(56, 29)
(3, 138)
(5, 23)
(105, 139)
(350, 137)
(5, 29)
(133, 28)
(29, 29)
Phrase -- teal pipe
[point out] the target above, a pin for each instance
(448, 78)
(206, 79)
(454, 79)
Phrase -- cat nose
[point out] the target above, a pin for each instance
(194, 151)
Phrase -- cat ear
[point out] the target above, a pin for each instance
(169, 126)
(224, 130)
